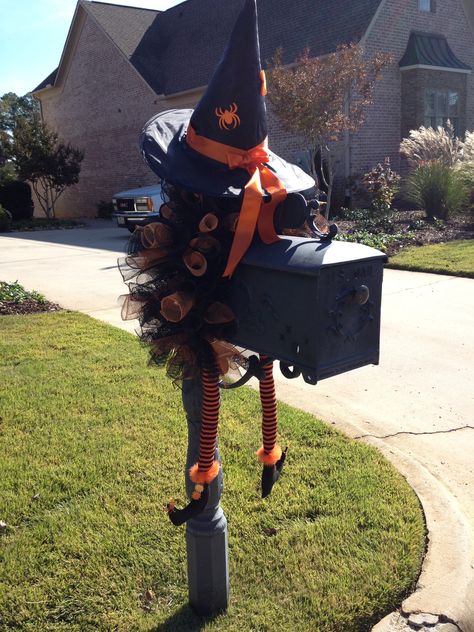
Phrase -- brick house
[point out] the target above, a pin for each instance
(121, 65)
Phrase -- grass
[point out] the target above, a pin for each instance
(92, 445)
(455, 258)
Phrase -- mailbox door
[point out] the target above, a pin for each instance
(277, 314)
(314, 306)
(349, 316)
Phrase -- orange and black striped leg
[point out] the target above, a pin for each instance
(270, 454)
(206, 469)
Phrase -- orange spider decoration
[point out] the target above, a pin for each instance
(228, 118)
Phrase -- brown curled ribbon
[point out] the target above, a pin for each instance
(195, 262)
(176, 306)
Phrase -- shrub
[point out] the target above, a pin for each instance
(16, 197)
(105, 210)
(438, 189)
(380, 241)
(432, 145)
(382, 184)
(466, 173)
(5, 220)
(370, 220)
(468, 148)
(16, 293)
(7, 173)
(43, 223)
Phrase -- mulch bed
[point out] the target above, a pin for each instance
(459, 227)
(28, 306)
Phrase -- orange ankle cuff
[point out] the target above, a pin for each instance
(204, 477)
(269, 458)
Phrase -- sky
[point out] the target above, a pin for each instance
(33, 34)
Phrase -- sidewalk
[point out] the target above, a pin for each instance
(416, 407)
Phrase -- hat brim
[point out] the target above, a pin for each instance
(164, 148)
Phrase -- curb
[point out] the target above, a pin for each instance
(396, 622)
(441, 601)
(445, 587)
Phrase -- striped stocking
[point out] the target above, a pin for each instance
(207, 468)
(270, 452)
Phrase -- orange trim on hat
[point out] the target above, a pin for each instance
(263, 87)
(254, 212)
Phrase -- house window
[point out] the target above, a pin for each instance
(427, 5)
(441, 106)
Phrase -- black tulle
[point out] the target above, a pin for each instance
(160, 272)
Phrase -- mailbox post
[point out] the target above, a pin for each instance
(339, 285)
(309, 303)
(206, 535)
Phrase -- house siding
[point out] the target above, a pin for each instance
(381, 134)
(103, 103)
(101, 109)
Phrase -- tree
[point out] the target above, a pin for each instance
(12, 109)
(49, 165)
(323, 97)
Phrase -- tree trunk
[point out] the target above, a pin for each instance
(41, 197)
(329, 183)
(322, 170)
(53, 211)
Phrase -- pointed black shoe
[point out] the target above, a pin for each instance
(271, 473)
(192, 509)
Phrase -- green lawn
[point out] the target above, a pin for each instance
(92, 445)
(454, 257)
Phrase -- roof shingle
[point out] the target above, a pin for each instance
(183, 45)
(49, 81)
(124, 25)
(178, 49)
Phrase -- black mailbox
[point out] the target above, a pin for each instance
(315, 306)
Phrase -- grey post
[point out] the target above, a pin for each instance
(206, 535)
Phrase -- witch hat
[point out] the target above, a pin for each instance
(220, 149)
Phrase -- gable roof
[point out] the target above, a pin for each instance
(124, 25)
(182, 47)
(429, 50)
(49, 81)
(178, 49)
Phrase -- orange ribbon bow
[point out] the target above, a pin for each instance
(254, 213)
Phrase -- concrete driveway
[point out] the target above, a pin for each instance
(417, 406)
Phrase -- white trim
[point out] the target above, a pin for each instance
(374, 19)
(72, 27)
(70, 46)
(443, 68)
(74, 33)
(430, 10)
(183, 93)
(92, 17)
(43, 90)
(46, 92)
